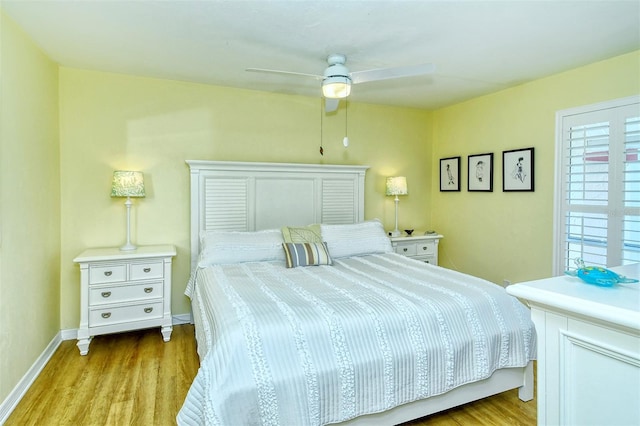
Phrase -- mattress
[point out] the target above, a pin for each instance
(324, 344)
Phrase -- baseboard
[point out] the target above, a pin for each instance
(14, 397)
(178, 319)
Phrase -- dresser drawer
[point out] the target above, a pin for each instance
(406, 249)
(121, 314)
(146, 271)
(107, 274)
(122, 293)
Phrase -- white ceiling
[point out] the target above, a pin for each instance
(477, 46)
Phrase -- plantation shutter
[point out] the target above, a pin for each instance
(600, 187)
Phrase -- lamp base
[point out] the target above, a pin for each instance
(128, 247)
(395, 233)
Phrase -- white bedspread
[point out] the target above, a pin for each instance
(324, 344)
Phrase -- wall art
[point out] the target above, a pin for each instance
(517, 170)
(480, 172)
(450, 174)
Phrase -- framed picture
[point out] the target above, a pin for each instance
(517, 170)
(450, 174)
(480, 172)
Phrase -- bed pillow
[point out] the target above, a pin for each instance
(356, 239)
(302, 234)
(223, 247)
(306, 254)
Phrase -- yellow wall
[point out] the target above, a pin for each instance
(501, 235)
(112, 121)
(29, 204)
(52, 164)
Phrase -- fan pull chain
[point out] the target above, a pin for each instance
(321, 149)
(345, 141)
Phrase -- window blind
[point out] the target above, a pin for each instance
(599, 217)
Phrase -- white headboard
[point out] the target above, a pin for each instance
(241, 196)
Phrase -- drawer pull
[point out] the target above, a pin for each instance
(148, 310)
(148, 289)
(404, 249)
(425, 248)
(106, 314)
(108, 273)
(106, 293)
(147, 269)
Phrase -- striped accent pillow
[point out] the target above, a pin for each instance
(306, 254)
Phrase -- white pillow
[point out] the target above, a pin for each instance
(356, 239)
(219, 247)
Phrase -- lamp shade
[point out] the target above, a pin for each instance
(127, 184)
(336, 87)
(397, 185)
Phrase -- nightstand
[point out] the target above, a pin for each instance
(124, 290)
(419, 247)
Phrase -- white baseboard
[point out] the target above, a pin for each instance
(69, 334)
(178, 319)
(14, 397)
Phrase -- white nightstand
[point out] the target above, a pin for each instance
(124, 290)
(420, 247)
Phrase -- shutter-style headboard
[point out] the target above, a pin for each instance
(242, 196)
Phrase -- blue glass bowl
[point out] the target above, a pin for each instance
(599, 276)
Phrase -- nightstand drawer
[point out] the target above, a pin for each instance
(107, 274)
(424, 249)
(123, 293)
(406, 249)
(426, 259)
(146, 271)
(120, 314)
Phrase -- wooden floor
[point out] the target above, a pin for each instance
(137, 379)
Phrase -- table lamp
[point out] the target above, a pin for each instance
(396, 185)
(127, 184)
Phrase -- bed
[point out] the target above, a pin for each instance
(332, 327)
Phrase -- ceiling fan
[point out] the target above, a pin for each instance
(337, 79)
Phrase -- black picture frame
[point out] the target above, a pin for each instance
(518, 167)
(450, 174)
(480, 172)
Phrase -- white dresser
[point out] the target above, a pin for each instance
(588, 349)
(124, 290)
(420, 247)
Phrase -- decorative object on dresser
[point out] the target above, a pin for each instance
(397, 186)
(588, 349)
(128, 184)
(123, 291)
(420, 247)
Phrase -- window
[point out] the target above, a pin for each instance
(597, 207)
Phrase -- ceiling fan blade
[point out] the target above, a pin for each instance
(317, 77)
(389, 73)
(331, 104)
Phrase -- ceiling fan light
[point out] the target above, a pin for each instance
(336, 87)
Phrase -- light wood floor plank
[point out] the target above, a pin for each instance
(137, 379)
